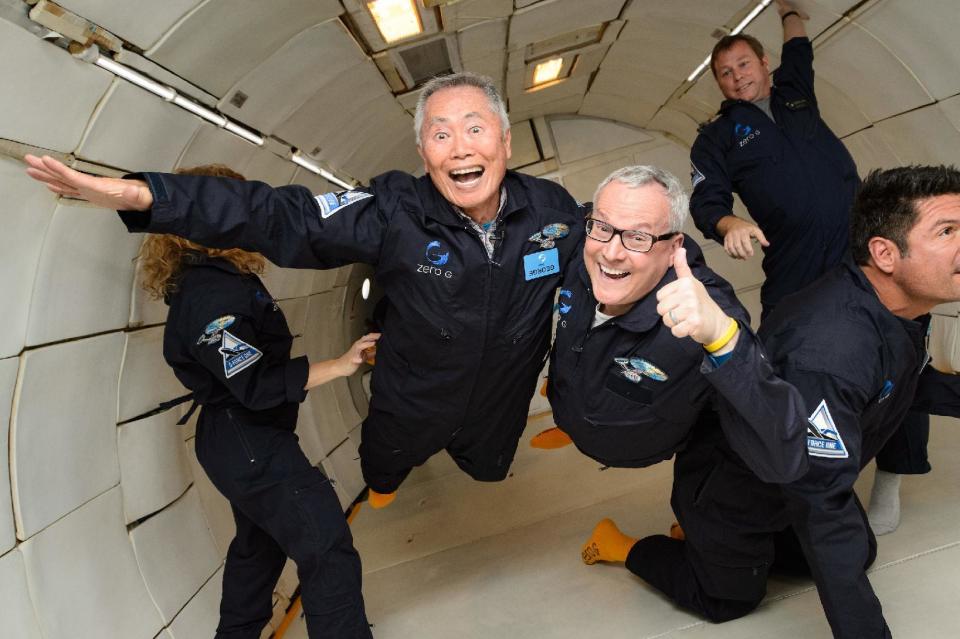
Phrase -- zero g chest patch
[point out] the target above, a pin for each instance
(237, 354)
(541, 264)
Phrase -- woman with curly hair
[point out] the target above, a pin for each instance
(228, 342)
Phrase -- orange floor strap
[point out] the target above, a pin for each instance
(292, 613)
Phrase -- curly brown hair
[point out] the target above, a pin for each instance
(161, 255)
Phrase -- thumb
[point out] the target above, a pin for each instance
(680, 263)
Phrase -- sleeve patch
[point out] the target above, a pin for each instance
(823, 437)
(330, 203)
(237, 354)
(696, 176)
(211, 334)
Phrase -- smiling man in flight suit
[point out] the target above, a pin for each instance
(469, 258)
(825, 383)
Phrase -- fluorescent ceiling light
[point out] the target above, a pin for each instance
(132, 76)
(246, 134)
(396, 19)
(737, 29)
(197, 109)
(547, 71)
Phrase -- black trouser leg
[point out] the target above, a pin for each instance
(666, 565)
(269, 480)
(389, 450)
(253, 566)
(905, 453)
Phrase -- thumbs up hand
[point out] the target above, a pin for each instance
(686, 307)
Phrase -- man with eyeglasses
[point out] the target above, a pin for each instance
(621, 386)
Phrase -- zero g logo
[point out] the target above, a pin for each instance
(746, 133)
(437, 257)
(566, 296)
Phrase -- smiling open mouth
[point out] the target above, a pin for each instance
(613, 274)
(467, 175)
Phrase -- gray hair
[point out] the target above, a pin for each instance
(643, 174)
(464, 79)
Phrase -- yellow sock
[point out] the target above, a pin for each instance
(550, 439)
(606, 543)
(380, 500)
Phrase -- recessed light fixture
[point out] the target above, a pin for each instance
(396, 19)
(547, 71)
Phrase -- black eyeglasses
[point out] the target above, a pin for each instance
(639, 241)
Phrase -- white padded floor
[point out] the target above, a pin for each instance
(456, 558)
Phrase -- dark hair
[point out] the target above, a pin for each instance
(726, 43)
(885, 206)
(212, 170)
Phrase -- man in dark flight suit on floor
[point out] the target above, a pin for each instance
(797, 180)
(823, 385)
(469, 257)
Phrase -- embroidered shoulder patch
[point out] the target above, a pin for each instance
(696, 175)
(237, 354)
(823, 437)
(211, 334)
(330, 203)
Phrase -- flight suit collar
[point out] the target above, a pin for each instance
(442, 211)
(195, 258)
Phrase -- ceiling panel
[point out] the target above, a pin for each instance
(714, 13)
(136, 130)
(223, 40)
(874, 78)
(8, 380)
(618, 107)
(461, 15)
(54, 93)
(923, 136)
(837, 109)
(212, 145)
(19, 619)
(566, 106)
(871, 151)
(570, 88)
(648, 87)
(300, 68)
(768, 28)
(676, 123)
(141, 22)
(579, 138)
(333, 107)
(554, 17)
(668, 46)
(523, 145)
(84, 578)
(27, 209)
(933, 56)
(483, 39)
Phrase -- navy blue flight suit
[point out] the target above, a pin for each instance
(228, 342)
(628, 392)
(823, 386)
(798, 181)
(465, 334)
(795, 177)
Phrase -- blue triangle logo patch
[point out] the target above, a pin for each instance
(823, 438)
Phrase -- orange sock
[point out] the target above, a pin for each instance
(380, 500)
(676, 531)
(606, 543)
(550, 439)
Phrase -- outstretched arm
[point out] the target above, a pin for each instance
(109, 193)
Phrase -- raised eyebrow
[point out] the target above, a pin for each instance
(946, 221)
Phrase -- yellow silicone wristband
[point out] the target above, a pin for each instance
(724, 339)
